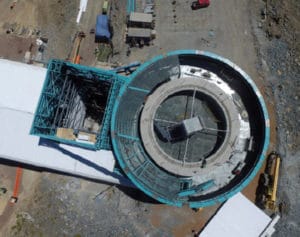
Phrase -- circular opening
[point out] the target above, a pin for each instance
(189, 126)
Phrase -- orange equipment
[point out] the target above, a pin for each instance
(14, 197)
(76, 57)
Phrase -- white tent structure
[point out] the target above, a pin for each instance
(20, 88)
(239, 217)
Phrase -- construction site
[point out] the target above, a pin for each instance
(149, 118)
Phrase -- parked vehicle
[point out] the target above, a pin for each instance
(200, 4)
(102, 31)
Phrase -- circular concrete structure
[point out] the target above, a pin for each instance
(221, 99)
(190, 128)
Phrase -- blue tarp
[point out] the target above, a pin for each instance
(102, 29)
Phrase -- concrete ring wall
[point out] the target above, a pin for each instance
(258, 115)
(147, 127)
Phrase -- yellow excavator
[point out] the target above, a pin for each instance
(269, 182)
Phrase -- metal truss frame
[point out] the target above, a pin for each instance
(58, 100)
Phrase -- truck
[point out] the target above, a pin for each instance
(102, 33)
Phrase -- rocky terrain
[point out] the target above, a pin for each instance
(280, 53)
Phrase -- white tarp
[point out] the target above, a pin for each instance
(20, 85)
(82, 8)
(20, 88)
(238, 217)
(140, 17)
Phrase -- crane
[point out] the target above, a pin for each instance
(76, 57)
(14, 197)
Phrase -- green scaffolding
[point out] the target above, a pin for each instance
(60, 93)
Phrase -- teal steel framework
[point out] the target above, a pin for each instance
(130, 6)
(136, 163)
(54, 95)
(127, 146)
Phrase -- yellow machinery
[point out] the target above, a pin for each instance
(271, 181)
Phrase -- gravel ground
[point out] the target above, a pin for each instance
(67, 206)
(57, 21)
(279, 48)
